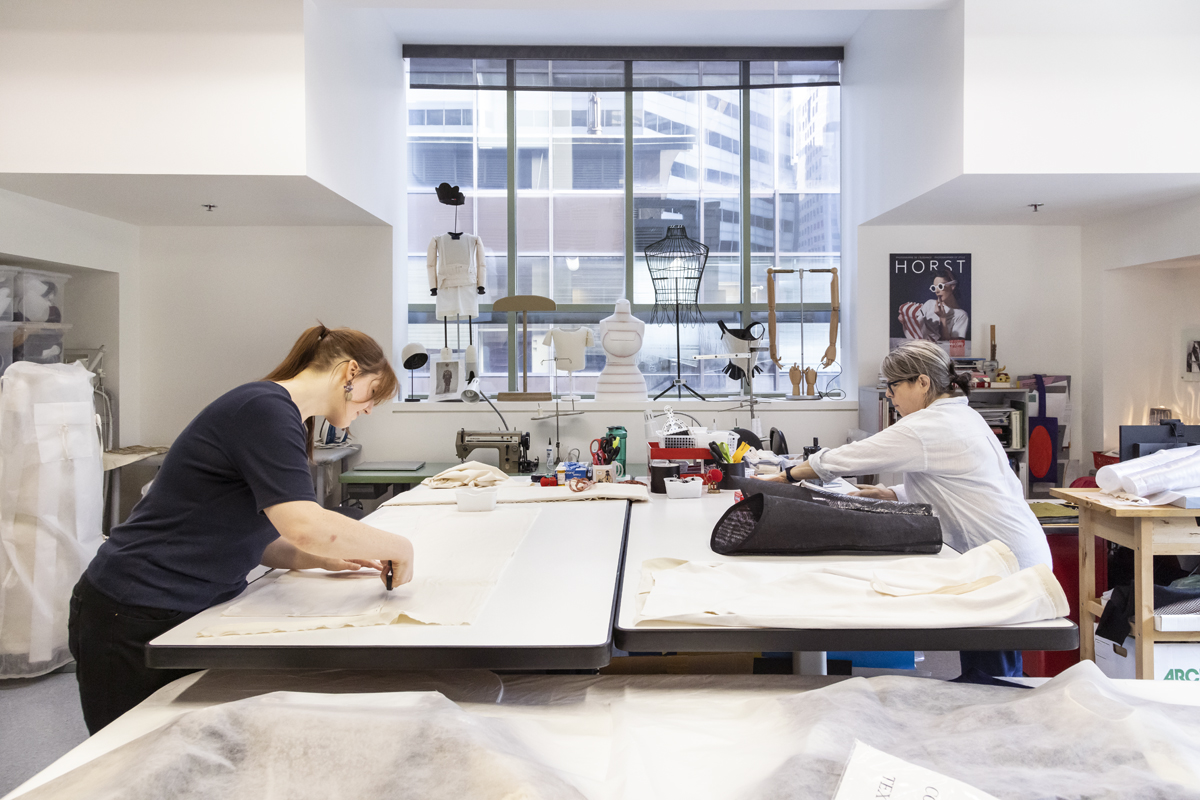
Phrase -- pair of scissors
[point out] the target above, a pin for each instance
(599, 450)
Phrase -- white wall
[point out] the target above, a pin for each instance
(1025, 281)
(1134, 316)
(222, 306)
(1144, 313)
(354, 79)
(1162, 233)
(901, 109)
(1072, 86)
(147, 87)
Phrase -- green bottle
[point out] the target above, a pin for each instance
(622, 437)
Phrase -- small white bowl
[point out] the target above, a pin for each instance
(470, 498)
(681, 488)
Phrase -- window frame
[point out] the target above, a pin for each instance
(747, 83)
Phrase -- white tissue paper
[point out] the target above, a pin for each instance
(872, 774)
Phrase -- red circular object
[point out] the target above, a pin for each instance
(714, 475)
(1041, 452)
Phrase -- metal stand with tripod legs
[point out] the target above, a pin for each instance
(676, 265)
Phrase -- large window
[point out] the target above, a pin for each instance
(571, 166)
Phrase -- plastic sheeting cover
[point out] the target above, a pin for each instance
(51, 503)
(286, 746)
(659, 737)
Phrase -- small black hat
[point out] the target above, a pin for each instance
(450, 195)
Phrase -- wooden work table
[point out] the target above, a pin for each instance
(1146, 530)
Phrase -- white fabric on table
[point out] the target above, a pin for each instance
(458, 559)
(470, 473)
(518, 490)
(976, 589)
(952, 461)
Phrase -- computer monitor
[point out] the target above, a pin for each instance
(1142, 440)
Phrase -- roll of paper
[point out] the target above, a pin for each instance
(1111, 477)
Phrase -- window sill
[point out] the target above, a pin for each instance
(771, 406)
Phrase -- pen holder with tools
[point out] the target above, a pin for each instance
(731, 471)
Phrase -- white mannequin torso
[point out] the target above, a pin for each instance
(621, 337)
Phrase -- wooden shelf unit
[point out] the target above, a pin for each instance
(1146, 530)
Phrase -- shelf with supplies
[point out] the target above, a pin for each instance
(1005, 409)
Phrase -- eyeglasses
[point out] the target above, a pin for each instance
(891, 384)
(937, 287)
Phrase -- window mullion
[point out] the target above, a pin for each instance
(511, 135)
(629, 221)
(745, 227)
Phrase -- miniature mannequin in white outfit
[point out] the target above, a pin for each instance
(621, 337)
(570, 354)
(457, 276)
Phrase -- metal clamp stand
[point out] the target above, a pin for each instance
(540, 415)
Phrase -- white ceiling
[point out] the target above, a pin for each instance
(1068, 199)
(156, 200)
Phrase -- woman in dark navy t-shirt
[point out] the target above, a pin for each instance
(234, 492)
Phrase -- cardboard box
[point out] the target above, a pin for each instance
(1173, 661)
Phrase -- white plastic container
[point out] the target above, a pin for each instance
(39, 296)
(7, 331)
(8, 291)
(470, 498)
(41, 344)
(683, 488)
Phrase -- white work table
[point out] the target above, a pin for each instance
(665, 528)
(552, 608)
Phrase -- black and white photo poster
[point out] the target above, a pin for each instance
(931, 299)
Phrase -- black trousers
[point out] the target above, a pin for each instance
(108, 640)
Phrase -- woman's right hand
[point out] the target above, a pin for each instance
(874, 492)
(778, 477)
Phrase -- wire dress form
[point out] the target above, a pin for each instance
(676, 265)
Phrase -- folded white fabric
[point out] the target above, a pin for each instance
(458, 559)
(516, 490)
(470, 473)
(981, 587)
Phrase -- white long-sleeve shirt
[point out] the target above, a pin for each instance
(952, 461)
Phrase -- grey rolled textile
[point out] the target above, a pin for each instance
(780, 519)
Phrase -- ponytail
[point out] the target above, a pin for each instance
(960, 380)
(324, 348)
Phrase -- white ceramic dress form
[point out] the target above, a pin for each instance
(621, 337)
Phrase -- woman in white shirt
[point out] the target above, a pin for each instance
(950, 459)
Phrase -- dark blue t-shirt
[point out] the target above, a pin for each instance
(191, 541)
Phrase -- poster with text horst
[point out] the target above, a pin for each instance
(930, 299)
